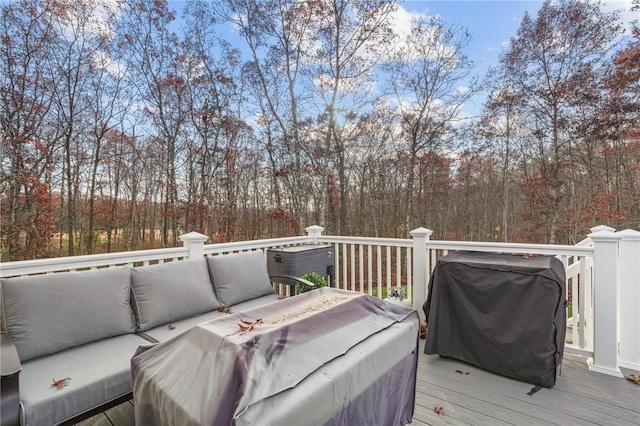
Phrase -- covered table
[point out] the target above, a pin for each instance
(324, 357)
(501, 312)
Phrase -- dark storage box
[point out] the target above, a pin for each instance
(501, 312)
(300, 260)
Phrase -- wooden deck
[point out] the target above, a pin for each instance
(482, 398)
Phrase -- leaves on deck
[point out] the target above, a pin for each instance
(224, 309)
(438, 410)
(171, 327)
(423, 330)
(633, 378)
(60, 383)
(462, 372)
(247, 326)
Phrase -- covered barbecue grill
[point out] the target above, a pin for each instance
(504, 313)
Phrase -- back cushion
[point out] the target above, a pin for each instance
(171, 291)
(239, 277)
(49, 313)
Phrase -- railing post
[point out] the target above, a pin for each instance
(194, 243)
(629, 300)
(605, 300)
(314, 231)
(420, 273)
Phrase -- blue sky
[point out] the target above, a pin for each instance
(492, 22)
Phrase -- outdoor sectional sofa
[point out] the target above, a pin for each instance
(81, 329)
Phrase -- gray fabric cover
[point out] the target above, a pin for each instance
(99, 372)
(216, 374)
(171, 291)
(165, 332)
(239, 277)
(371, 384)
(45, 314)
(500, 312)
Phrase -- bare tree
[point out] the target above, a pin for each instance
(213, 99)
(549, 61)
(353, 37)
(152, 52)
(25, 96)
(108, 98)
(430, 81)
(277, 35)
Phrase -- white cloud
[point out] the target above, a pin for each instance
(624, 6)
(402, 20)
(91, 17)
(102, 60)
(461, 90)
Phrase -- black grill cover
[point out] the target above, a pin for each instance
(504, 313)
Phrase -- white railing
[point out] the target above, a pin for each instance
(603, 284)
(373, 266)
(376, 265)
(92, 261)
(190, 249)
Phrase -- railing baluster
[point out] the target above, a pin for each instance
(370, 269)
(575, 304)
(361, 267)
(581, 312)
(379, 269)
(388, 269)
(336, 266)
(353, 267)
(409, 275)
(398, 282)
(345, 281)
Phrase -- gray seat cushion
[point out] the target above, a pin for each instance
(258, 301)
(239, 277)
(45, 314)
(166, 332)
(171, 291)
(99, 372)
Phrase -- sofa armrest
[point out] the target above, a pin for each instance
(9, 374)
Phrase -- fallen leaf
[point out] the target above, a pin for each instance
(633, 378)
(246, 326)
(60, 383)
(224, 309)
(423, 330)
(438, 410)
(171, 327)
(462, 372)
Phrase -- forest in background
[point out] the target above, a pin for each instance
(123, 126)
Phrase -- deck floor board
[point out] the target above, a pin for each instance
(483, 398)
